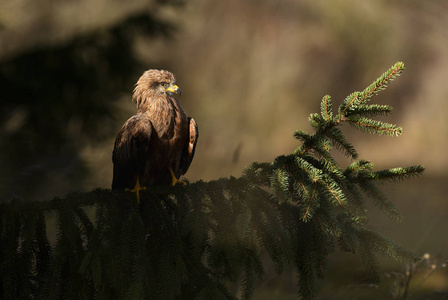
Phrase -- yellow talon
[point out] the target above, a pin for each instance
(174, 180)
(137, 188)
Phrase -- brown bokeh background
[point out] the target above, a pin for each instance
(251, 72)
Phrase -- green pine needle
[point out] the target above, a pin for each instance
(280, 184)
(373, 126)
(338, 139)
(395, 174)
(350, 102)
(382, 82)
(380, 200)
(316, 121)
(302, 136)
(353, 101)
(361, 165)
(326, 108)
(370, 110)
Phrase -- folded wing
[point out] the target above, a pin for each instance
(190, 146)
(130, 151)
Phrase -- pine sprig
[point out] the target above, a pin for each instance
(382, 82)
(355, 99)
(350, 102)
(326, 108)
(359, 166)
(395, 175)
(370, 110)
(373, 126)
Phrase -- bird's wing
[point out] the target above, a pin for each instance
(130, 151)
(190, 146)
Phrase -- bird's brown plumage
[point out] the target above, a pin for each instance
(159, 137)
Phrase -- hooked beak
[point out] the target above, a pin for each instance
(174, 89)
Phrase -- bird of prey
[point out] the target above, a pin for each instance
(157, 144)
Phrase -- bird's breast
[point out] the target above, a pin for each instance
(168, 119)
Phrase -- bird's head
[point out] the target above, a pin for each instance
(155, 84)
(169, 87)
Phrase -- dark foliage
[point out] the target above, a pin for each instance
(56, 99)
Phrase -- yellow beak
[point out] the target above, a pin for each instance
(173, 89)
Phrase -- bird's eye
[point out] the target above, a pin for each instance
(164, 84)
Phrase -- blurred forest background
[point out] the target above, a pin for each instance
(250, 72)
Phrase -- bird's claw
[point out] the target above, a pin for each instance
(137, 188)
(174, 180)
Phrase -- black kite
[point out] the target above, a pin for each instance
(157, 144)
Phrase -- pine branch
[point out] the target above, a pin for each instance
(191, 242)
(357, 98)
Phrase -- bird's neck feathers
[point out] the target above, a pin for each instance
(142, 97)
(150, 101)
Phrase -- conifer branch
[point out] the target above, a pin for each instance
(190, 242)
(358, 98)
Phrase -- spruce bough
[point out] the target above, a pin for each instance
(190, 242)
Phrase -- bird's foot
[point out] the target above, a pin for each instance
(174, 180)
(137, 188)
